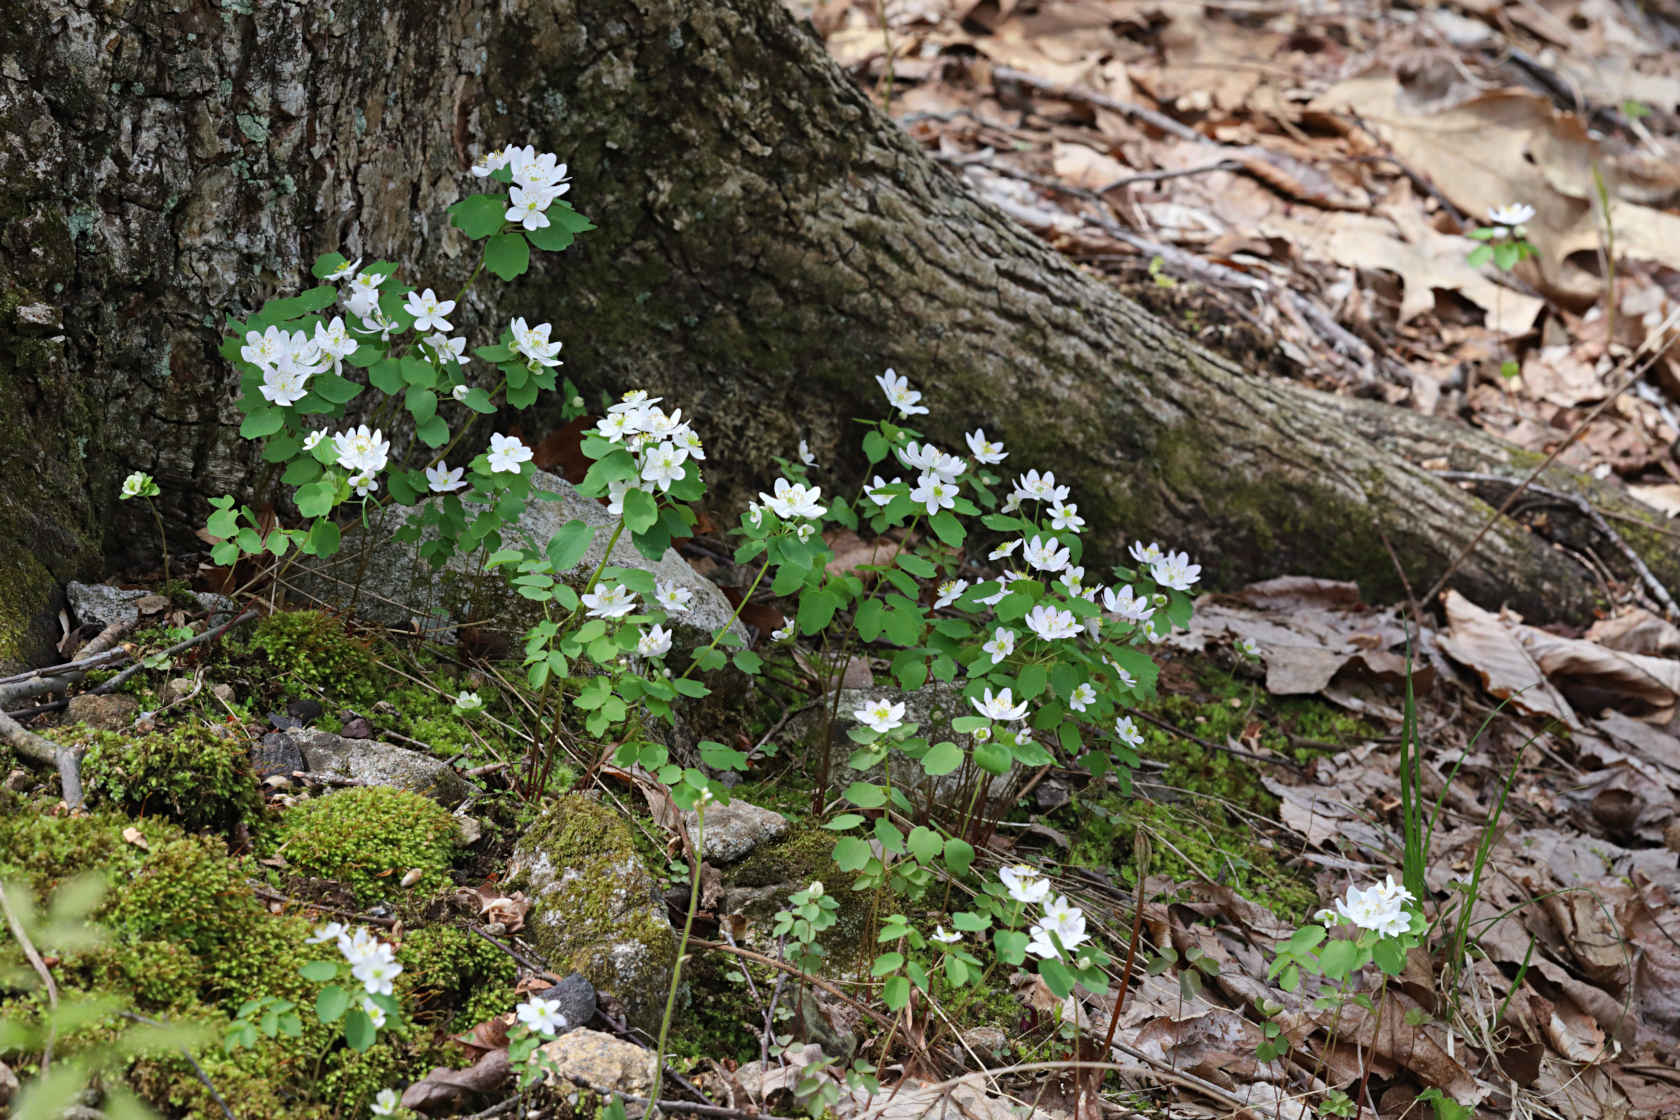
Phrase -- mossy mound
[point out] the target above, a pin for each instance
(369, 838)
(594, 908)
(189, 774)
(453, 981)
(309, 653)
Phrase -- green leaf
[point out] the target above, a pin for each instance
(851, 853)
(748, 662)
(479, 401)
(959, 857)
(507, 255)
(641, 511)
(925, 844)
(942, 758)
(1056, 977)
(552, 238)
(327, 263)
(993, 757)
(948, 528)
(316, 498)
(318, 971)
(876, 447)
(567, 546)
(844, 821)
(386, 375)
(323, 538)
(866, 795)
(479, 215)
(1479, 256)
(300, 471)
(1338, 959)
(332, 1003)
(434, 433)
(1390, 957)
(1506, 254)
(895, 993)
(816, 610)
(359, 1031)
(421, 404)
(261, 422)
(1031, 681)
(917, 565)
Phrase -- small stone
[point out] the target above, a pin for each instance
(989, 1043)
(735, 829)
(178, 689)
(275, 755)
(357, 727)
(222, 692)
(113, 712)
(102, 604)
(373, 763)
(576, 996)
(601, 1060)
(1671, 835)
(471, 829)
(19, 780)
(152, 604)
(304, 711)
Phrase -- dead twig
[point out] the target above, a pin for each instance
(41, 970)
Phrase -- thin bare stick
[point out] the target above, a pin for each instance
(40, 967)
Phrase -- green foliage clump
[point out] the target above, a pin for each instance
(368, 838)
(454, 979)
(305, 652)
(188, 774)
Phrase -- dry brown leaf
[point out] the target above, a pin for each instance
(135, 837)
(1482, 641)
(445, 1089)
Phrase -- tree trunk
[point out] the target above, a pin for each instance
(768, 243)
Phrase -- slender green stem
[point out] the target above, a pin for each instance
(682, 948)
(745, 599)
(163, 539)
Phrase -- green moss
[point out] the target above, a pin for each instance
(369, 838)
(1205, 806)
(453, 980)
(307, 653)
(188, 773)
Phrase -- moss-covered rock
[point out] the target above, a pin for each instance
(369, 838)
(594, 906)
(189, 774)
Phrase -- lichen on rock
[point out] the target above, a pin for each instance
(594, 906)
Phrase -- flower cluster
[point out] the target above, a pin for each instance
(538, 179)
(1060, 929)
(288, 359)
(660, 443)
(542, 1016)
(1380, 908)
(372, 962)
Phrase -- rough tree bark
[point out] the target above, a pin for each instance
(768, 243)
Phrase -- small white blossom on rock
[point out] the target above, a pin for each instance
(507, 453)
(882, 716)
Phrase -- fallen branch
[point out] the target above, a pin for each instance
(67, 760)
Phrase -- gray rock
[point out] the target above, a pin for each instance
(113, 712)
(373, 763)
(275, 753)
(594, 906)
(599, 1060)
(387, 582)
(102, 604)
(576, 996)
(737, 828)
